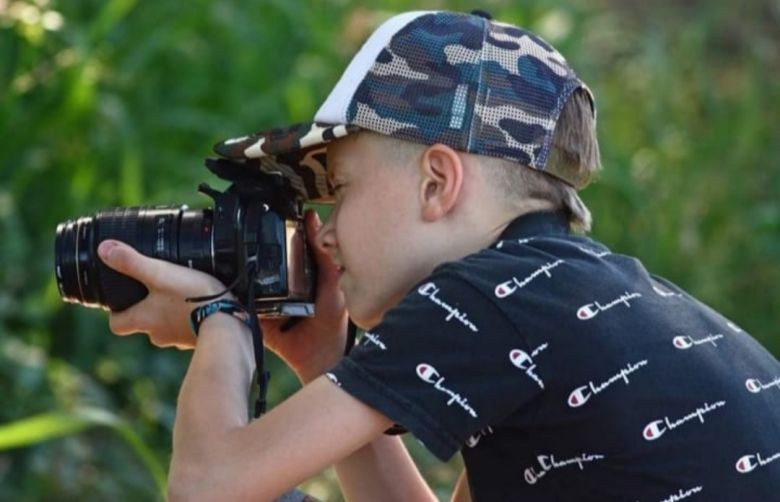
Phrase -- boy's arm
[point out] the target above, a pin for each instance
(217, 455)
(216, 451)
(462, 492)
(382, 470)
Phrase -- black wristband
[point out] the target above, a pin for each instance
(231, 307)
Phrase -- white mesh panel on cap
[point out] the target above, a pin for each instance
(334, 109)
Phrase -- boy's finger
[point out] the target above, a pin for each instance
(312, 224)
(124, 323)
(327, 269)
(128, 261)
(330, 300)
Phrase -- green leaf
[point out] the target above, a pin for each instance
(56, 424)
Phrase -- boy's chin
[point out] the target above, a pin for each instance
(367, 308)
(365, 323)
(363, 316)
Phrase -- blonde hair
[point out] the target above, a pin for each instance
(574, 151)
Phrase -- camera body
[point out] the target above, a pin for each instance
(252, 239)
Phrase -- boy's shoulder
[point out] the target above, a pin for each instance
(540, 259)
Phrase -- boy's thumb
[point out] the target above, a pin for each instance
(106, 250)
(128, 261)
(121, 258)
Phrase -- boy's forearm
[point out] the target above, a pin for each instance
(213, 398)
(213, 407)
(382, 470)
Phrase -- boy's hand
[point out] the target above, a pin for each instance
(163, 314)
(313, 345)
(310, 347)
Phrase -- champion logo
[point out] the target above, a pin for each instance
(749, 463)
(428, 374)
(746, 464)
(755, 386)
(507, 288)
(581, 395)
(473, 440)
(658, 428)
(663, 292)
(591, 310)
(734, 327)
(686, 342)
(519, 241)
(525, 362)
(430, 291)
(592, 252)
(333, 378)
(680, 495)
(373, 339)
(548, 462)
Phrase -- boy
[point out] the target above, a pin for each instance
(454, 146)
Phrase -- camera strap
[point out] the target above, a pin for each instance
(262, 375)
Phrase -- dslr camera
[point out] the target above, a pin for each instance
(252, 239)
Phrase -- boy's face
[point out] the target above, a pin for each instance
(374, 232)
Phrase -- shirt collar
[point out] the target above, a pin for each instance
(534, 224)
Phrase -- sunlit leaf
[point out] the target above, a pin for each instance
(47, 426)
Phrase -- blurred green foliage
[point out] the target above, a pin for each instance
(116, 102)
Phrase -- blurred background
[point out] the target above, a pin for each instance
(117, 102)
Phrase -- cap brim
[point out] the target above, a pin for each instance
(296, 152)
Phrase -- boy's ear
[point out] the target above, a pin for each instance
(441, 175)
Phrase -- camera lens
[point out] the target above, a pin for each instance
(173, 234)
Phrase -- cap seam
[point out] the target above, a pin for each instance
(569, 87)
(478, 96)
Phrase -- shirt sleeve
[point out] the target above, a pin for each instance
(445, 364)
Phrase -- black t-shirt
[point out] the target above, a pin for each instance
(562, 371)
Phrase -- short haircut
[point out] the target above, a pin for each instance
(574, 150)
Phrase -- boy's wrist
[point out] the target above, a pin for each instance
(226, 326)
(225, 305)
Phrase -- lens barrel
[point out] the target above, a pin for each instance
(172, 234)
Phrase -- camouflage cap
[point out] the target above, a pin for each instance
(475, 84)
